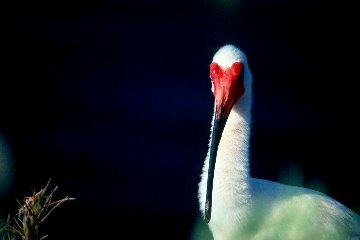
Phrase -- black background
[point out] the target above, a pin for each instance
(112, 101)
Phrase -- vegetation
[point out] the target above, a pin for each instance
(31, 213)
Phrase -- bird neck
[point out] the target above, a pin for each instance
(231, 191)
(232, 165)
(231, 176)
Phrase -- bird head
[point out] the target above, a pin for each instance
(228, 73)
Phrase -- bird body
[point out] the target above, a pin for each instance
(237, 206)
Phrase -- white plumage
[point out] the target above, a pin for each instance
(242, 207)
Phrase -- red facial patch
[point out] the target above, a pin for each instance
(228, 86)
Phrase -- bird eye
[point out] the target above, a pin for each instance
(237, 68)
(215, 70)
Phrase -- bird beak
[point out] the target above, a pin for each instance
(228, 88)
(218, 127)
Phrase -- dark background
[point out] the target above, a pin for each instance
(112, 101)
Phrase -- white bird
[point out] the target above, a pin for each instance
(237, 206)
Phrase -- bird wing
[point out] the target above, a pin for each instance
(288, 212)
